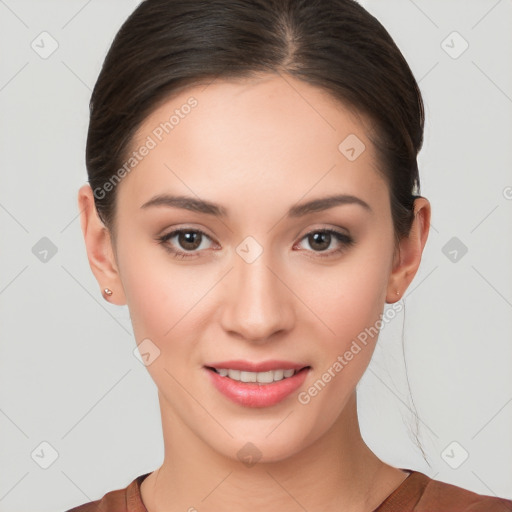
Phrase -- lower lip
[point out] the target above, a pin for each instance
(253, 394)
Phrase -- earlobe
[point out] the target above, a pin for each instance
(409, 251)
(99, 248)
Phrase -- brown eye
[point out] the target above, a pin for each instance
(321, 239)
(187, 242)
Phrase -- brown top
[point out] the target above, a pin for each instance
(417, 493)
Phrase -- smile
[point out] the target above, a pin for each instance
(257, 389)
(259, 377)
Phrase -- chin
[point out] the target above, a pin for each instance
(258, 446)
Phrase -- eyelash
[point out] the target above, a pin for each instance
(346, 241)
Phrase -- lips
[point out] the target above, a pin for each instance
(257, 394)
(250, 366)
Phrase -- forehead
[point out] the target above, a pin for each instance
(253, 137)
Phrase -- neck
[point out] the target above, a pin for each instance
(336, 472)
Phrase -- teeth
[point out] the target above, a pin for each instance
(260, 377)
(248, 376)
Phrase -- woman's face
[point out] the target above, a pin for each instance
(262, 283)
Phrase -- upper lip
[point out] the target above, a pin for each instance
(263, 366)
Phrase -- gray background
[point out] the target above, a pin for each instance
(68, 376)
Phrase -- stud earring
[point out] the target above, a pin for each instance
(108, 291)
(397, 292)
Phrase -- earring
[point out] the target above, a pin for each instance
(397, 292)
(108, 291)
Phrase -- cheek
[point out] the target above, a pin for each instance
(351, 307)
(158, 292)
(347, 298)
(348, 302)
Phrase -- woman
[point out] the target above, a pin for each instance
(253, 199)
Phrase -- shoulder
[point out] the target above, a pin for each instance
(442, 496)
(126, 499)
(420, 493)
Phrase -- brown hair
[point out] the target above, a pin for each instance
(336, 45)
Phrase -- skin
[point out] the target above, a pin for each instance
(257, 147)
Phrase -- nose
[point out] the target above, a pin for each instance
(257, 305)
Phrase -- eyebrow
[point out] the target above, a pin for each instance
(209, 208)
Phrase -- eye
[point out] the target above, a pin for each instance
(320, 240)
(188, 239)
(191, 240)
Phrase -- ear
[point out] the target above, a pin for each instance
(99, 247)
(408, 253)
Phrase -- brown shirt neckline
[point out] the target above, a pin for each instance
(410, 489)
(417, 493)
(416, 482)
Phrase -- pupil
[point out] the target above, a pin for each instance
(186, 240)
(323, 239)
